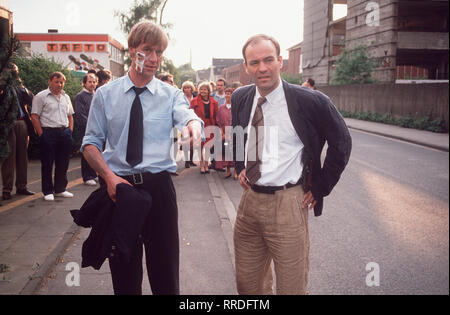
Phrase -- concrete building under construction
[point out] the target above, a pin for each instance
(408, 37)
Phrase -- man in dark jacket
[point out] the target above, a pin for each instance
(287, 127)
(18, 138)
(82, 105)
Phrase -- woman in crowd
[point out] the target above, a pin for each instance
(188, 90)
(223, 121)
(206, 109)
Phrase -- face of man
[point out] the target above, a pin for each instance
(264, 66)
(91, 83)
(220, 87)
(56, 85)
(153, 58)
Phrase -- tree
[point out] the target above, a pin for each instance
(186, 73)
(9, 82)
(293, 79)
(142, 10)
(354, 66)
(35, 72)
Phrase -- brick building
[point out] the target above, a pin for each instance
(409, 38)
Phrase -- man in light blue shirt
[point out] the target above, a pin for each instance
(145, 160)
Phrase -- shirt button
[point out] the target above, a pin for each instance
(111, 255)
(113, 247)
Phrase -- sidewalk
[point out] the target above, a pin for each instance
(38, 238)
(439, 141)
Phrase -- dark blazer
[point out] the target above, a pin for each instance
(316, 121)
(115, 226)
(25, 101)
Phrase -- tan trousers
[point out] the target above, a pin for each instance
(17, 159)
(272, 227)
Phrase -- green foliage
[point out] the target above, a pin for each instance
(354, 67)
(35, 73)
(151, 10)
(168, 66)
(294, 79)
(9, 82)
(142, 10)
(424, 123)
(186, 74)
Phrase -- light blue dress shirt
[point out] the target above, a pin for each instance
(163, 105)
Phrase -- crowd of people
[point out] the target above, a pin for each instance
(127, 146)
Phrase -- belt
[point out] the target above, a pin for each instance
(141, 178)
(270, 190)
(20, 118)
(54, 128)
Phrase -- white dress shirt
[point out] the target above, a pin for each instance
(281, 157)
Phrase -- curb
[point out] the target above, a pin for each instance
(38, 278)
(425, 144)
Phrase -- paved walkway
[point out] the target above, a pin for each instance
(36, 236)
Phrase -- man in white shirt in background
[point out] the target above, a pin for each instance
(52, 118)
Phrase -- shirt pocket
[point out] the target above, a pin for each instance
(158, 126)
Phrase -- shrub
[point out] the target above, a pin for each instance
(424, 123)
(35, 73)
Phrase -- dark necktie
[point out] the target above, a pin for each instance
(136, 130)
(256, 144)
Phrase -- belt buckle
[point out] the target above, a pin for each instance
(138, 179)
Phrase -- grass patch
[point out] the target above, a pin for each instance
(424, 123)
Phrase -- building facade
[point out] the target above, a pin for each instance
(408, 38)
(6, 21)
(77, 51)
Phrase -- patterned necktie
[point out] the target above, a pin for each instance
(136, 130)
(256, 144)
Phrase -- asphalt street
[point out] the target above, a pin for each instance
(389, 210)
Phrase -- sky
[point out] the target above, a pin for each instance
(206, 28)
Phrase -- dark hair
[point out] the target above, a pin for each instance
(57, 75)
(165, 77)
(311, 82)
(103, 75)
(85, 78)
(229, 90)
(222, 80)
(256, 39)
(92, 71)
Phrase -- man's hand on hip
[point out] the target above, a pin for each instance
(309, 201)
(243, 180)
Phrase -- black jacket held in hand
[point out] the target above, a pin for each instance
(316, 121)
(115, 226)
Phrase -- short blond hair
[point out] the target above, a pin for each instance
(205, 84)
(147, 32)
(189, 84)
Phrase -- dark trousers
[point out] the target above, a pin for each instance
(18, 158)
(55, 148)
(161, 242)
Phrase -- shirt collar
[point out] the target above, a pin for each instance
(152, 86)
(50, 92)
(272, 95)
(87, 91)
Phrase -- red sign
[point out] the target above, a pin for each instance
(89, 47)
(64, 47)
(52, 47)
(77, 47)
(101, 48)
